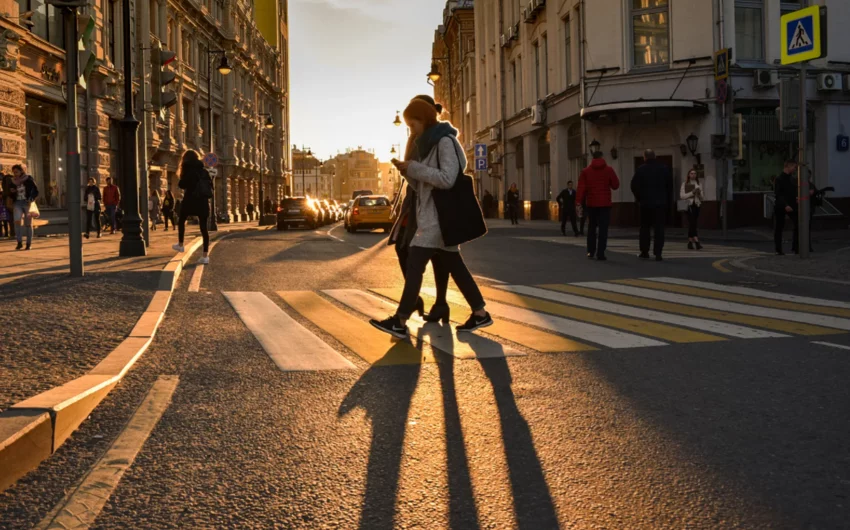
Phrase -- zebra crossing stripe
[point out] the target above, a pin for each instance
(291, 346)
(722, 305)
(527, 336)
(589, 332)
(754, 292)
(441, 337)
(707, 293)
(373, 346)
(643, 327)
(730, 330)
(782, 326)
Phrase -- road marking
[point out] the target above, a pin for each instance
(699, 312)
(597, 334)
(291, 346)
(754, 292)
(529, 337)
(642, 327)
(731, 297)
(486, 279)
(80, 508)
(375, 347)
(709, 326)
(195, 282)
(815, 320)
(439, 336)
(630, 246)
(719, 265)
(363, 248)
(831, 345)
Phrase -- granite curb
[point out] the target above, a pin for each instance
(742, 264)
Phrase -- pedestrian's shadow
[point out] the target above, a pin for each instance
(533, 505)
(385, 394)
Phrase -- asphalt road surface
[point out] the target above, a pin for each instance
(624, 394)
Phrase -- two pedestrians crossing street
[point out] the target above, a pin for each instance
(674, 250)
(554, 318)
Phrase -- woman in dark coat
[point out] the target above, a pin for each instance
(194, 181)
(168, 208)
(512, 200)
(92, 202)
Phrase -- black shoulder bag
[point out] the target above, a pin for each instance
(458, 210)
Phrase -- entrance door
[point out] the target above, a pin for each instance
(672, 218)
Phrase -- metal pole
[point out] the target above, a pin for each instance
(262, 192)
(132, 243)
(144, 44)
(74, 176)
(213, 223)
(802, 171)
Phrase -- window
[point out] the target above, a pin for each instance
(204, 57)
(544, 82)
(515, 107)
(536, 88)
(568, 51)
(749, 30)
(650, 33)
(520, 100)
(47, 21)
(111, 27)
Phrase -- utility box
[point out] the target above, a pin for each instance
(789, 105)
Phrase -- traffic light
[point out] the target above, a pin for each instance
(161, 77)
(736, 136)
(86, 58)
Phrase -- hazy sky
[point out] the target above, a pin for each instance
(353, 64)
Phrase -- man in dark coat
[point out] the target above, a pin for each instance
(785, 190)
(567, 203)
(652, 187)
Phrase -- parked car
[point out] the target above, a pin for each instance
(297, 211)
(323, 214)
(332, 213)
(340, 212)
(369, 212)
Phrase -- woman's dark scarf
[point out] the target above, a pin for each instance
(432, 136)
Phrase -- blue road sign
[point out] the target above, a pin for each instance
(480, 150)
(480, 164)
(802, 35)
(211, 160)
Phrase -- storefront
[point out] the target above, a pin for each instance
(44, 152)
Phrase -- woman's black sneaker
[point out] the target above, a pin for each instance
(476, 322)
(393, 326)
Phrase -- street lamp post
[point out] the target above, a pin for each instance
(223, 69)
(267, 125)
(132, 243)
(316, 176)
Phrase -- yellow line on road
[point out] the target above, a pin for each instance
(642, 327)
(739, 298)
(82, 506)
(719, 265)
(524, 335)
(375, 347)
(782, 326)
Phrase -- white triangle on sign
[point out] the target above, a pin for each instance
(801, 38)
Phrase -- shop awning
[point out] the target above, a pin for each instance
(643, 111)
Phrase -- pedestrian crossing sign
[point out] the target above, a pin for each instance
(804, 35)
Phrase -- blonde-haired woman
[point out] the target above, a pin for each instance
(691, 191)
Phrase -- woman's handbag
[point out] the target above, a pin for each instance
(682, 205)
(32, 211)
(90, 202)
(458, 211)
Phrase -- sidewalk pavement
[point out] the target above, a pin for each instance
(57, 328)
(828, 266)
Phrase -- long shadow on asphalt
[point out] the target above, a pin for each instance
(770, 422)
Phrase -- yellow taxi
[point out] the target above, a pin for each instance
(369, 212)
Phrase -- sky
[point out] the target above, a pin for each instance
(353, 64)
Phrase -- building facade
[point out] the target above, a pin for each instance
(355, 170)
(33, 89)
(637, 74)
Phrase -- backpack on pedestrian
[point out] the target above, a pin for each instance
(204, 188)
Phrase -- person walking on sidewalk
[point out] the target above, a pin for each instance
(26, 192)
(691, 191)
(595, 185)
(512, 201)
(6, 208)
(168, 208)
(652, 186)
(785, 191)
(441, 162)
(93, 200)
(154, 207)
(9, 194)
(567, 206)
(197, 185)
(111, 199)
(249, 209)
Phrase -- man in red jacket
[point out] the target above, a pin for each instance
(111, 199)
(594, 189)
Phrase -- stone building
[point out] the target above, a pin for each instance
(356, 170)
(636, 74)
(33, 88)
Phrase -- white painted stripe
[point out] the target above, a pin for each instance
(589, 332)
(363, 248)
(709, 326)
(442, 337)
(832, 345)
(754, 292)
(722, 305)
(291, 346)
(195, 282)
(80, 508)
(486, 279)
